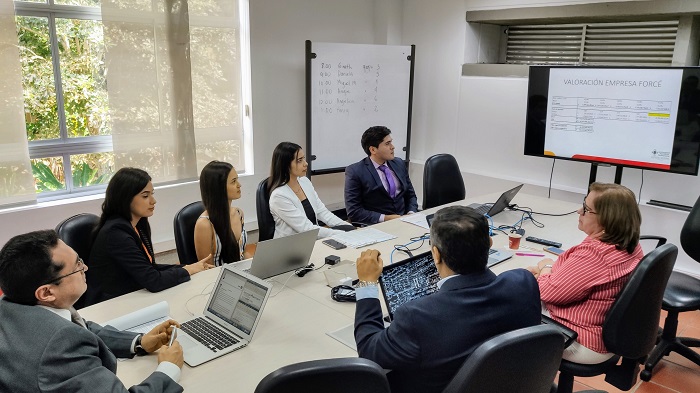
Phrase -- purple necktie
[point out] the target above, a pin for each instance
(389, 179)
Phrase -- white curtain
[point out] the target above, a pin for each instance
(16, 179)
(174, 84)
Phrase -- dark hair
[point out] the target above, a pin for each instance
(618, 213)
(214, 190)
(282, 158)
(26, 264)
(374, 137)
(121, 190)
(462, 237)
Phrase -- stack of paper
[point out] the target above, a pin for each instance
(143, 320)
(363, 237)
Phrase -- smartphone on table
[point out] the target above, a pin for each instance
(554, 250)
(334, 244)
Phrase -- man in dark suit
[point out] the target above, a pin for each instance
(378, 188)
(45, 346)
(431, 337)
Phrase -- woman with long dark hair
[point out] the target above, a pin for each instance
(220, 230)
(294, 203)
(122, 258)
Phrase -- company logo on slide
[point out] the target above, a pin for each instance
(660, 154)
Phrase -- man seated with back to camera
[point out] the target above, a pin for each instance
(47, 347)
(377, 188)
(431, 337)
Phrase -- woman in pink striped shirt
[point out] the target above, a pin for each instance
(580, 287)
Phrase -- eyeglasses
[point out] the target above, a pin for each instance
(80, 267)
(587, 209)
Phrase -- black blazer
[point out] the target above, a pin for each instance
(366, 198)
(431, 337)
(118, 264)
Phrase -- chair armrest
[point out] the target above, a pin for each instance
(569, 335)
(660, 239)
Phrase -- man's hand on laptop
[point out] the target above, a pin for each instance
(172, 354)
(158, 336)
(369, 266)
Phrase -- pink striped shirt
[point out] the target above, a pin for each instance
(583, 285)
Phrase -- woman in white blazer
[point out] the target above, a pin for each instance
(294, 204)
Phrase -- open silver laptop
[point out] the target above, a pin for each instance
(230, 317)
(280, 255)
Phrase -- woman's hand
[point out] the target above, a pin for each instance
(199, 266)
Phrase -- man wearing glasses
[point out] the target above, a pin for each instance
(46, 346)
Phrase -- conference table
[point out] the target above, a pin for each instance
(300, 310)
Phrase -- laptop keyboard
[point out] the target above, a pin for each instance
(209, 335)
(483, 209)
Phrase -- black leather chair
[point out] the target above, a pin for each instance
(266, 224)
(682, 294)
(631, 325)
(184, 223)
(522, 361)
(343, 375)
(77, 232)
(442, 181)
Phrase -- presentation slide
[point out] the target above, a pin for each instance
(620, 116)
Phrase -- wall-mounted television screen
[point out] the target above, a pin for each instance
(646, 118)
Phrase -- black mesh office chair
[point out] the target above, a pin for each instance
(442, 181)
(343, 375)
(183, 224)
(522, 361)
(682, 294)
(76, 232)
(266, 224)
(631, 325)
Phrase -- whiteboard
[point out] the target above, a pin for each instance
(351, 87)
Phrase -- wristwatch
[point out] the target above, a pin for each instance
(138, 349)
(362, 284)
(546, 266)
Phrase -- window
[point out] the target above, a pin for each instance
(624, 44)
(110, 83)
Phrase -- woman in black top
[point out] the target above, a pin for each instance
(122, 258)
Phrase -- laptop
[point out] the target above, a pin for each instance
(230, 317)
(495, 256)
(280, 255)
(502, 203)
(407, 280)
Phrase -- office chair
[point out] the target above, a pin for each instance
(266, 224)
(183, 224)
(522, 361)
(76, 232)
(442, 181)
(682, 294)
(342, 375)
(631, 325)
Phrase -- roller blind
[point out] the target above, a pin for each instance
(649, 43)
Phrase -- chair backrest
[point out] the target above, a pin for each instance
(691, 232)
(442, 181)
(184, 223)
(522, 361)
(343, 375)
(77, 232)
(632, 324)
(266, 224)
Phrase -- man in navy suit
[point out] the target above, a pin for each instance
(431, 337)
(378, 188)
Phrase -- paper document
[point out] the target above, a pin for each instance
(143, 320)
(363, 237)
(416, 219)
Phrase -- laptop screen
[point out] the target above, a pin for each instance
(409, 279)
(237, 300)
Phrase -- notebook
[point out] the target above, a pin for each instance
(280, 255)
(363, 237)
(407, 280)
(502, 202)
(495, 256)
(229, 320)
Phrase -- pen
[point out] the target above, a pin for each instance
(525, 254)
(172, 336)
